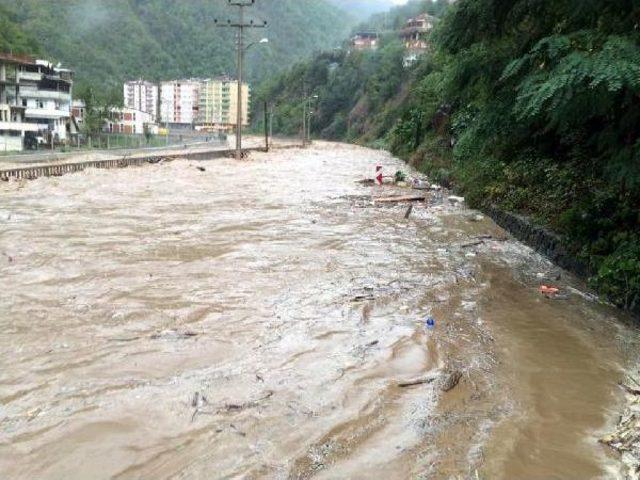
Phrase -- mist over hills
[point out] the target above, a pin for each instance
(362, 9)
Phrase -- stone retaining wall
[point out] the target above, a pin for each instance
(542, 240)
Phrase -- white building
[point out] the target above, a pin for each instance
(35, 100)
(179, 102)
(141, 95)
(130, 121)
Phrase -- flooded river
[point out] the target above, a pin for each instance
(254, 320)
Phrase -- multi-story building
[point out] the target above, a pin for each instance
(141, 95)
(35, 100)
(130, 121)
(219, 104)
(179, 102)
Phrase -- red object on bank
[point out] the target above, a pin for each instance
(549, 291)
(379, 174)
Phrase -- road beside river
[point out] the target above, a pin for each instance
(253, 320)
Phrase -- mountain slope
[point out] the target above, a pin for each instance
(107, 42)
(12, 37)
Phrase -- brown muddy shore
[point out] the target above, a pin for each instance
(255, 320)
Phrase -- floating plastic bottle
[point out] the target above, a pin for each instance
(430, 323)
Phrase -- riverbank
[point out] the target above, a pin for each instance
(262, 320)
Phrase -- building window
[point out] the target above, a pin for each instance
(24, 102)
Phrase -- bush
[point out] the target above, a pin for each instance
(619, 275)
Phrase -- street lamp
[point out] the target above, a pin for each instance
(262, 40)
(306, 119)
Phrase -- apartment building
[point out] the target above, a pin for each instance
(219, 104)
(179, 102)
(142, 96)
(35, 100)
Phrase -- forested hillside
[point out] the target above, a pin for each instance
(12, 37)
(532, 106)
(360, 94)
(110, 41)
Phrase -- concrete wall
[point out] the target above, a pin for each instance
(10, 143)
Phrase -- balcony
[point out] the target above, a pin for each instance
(46, 95)
(33, 76)
(46, 114)
(19, 126)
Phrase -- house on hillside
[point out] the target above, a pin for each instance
(365, 41)
(35, 102)
(415, 36)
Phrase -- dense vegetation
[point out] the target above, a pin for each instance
(533, 105)
(12, 38)
(360, 94)
(107, 42)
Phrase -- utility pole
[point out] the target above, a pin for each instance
(306, 118)
(271, 124)
(304, 122)
(240, 26)
(266, 127)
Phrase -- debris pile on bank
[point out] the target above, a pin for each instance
(626, 438)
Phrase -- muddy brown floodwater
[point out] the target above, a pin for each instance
(254, 320)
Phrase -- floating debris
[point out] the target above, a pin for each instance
(408, 212)
(451, 381)
(173, 335)
(400, 199)
(418, 381)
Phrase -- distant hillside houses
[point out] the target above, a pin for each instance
(414, 35)
(365, 41)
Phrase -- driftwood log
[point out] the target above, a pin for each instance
(400, 199)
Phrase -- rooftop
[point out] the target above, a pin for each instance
(17, 59)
